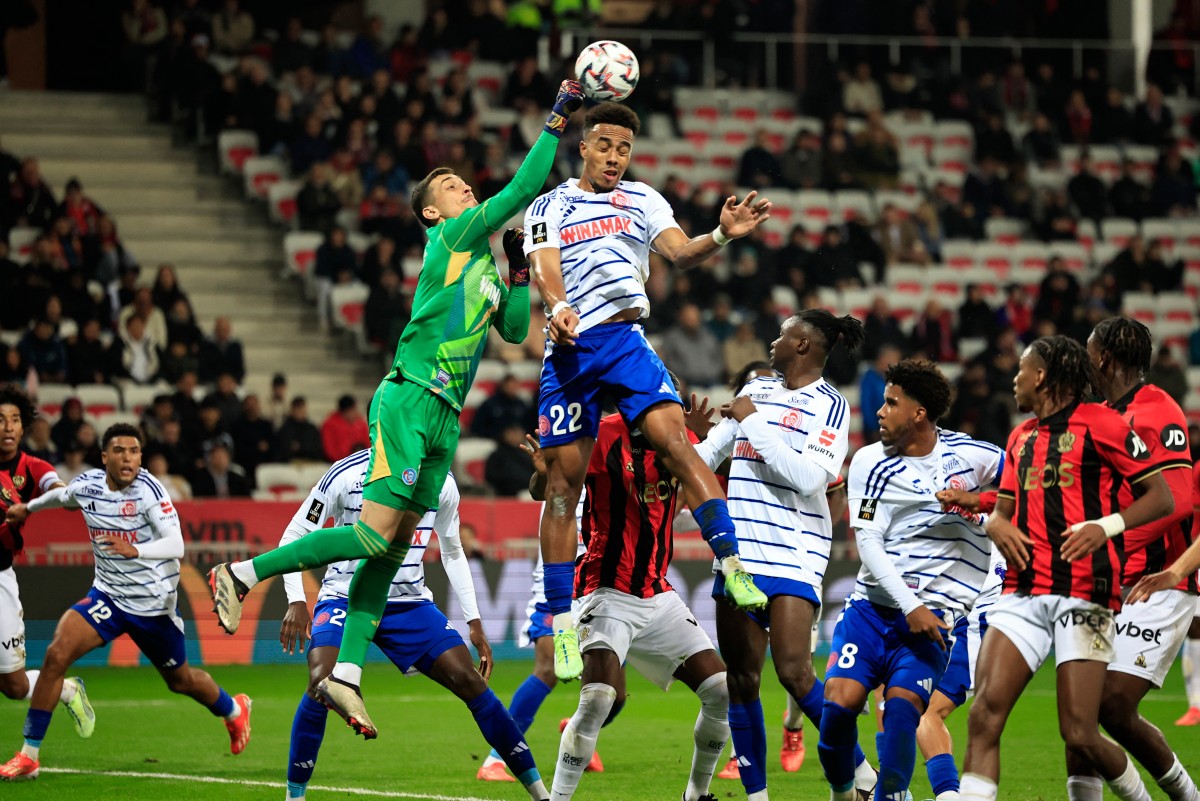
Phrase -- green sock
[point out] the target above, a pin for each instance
(368, 597)
(320, 548)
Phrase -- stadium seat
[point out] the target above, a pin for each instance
(1177, 307)
(1142, 162)
(51, 396)
(959, 253)
(300, 249)
(1006, 230)
(1118, 230)
(137, 397)
(277, 479)
(20, 243)
(103, 420)
(260, 172)
(348, 302)
(98, 399)
(1031, 256)
(1141, 306)
(849, 201)
(905, 202)
(310, 473)
(1189, 231)
(281, 202)
(1086, 233)
(1161, 229)
(785, 300)
(1073, 254)
(954, 133)
(997, 258)
(470, 457)
(234, 148)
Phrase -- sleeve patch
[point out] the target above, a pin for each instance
(866, 511)
(1174, 438)
(1135, 447)
(539, 233)
(315, 512)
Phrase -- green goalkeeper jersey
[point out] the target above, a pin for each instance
(460, 292)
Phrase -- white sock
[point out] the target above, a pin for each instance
(31, 751)
(865, 777)
(709, 735)
(563, 621)
(845, 795)
(237, 711)
(32, 675)
(1085, 788)
(949, 795)
(1129, 786)
(244, 572)
(348, 672)
(537, 790)
(973, 787)
(578, 741)
(490, 760)
(1191, 671)
(1177, 784)
(794, 717)
(69, 688)
(761, 795)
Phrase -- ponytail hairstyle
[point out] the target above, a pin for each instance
(832, 329)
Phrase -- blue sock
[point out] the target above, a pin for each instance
(504, 736)
(943, 774)
(749, 732)
(898, 757)
(879, 743)
(525, 703)
(813, 706)
(223, 706)
(36, 723)
(308, 730)
(558, 579)
(717, 527)
(839, 733)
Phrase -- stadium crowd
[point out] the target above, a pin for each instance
(358, 118)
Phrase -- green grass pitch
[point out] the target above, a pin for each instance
(429, 747)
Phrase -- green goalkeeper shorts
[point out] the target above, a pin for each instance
(414, 435)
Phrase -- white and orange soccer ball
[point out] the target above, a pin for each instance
(607, 70)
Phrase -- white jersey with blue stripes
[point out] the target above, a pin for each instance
(139, 514)
(339, 495)
(944, 557)
(781, 531)
(604, 239)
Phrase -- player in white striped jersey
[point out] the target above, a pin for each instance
(536, 632)
(788, 435)
(137, 544)
(413, 633)
(923, 568)
(589, 242)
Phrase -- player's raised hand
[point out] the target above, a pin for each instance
(296, 629)
(16, 514)
(531, 446)
(562, 326)
(1157, 582)
(1013, 543)
(1082, 539)
(570, 97)
(923, 622)
(483, 647)
(116, 546)
(698, 417)
(739, 219)
(739, 408)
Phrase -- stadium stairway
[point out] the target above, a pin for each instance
(228, 257)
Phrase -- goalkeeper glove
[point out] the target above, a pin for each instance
(514, 249)
(570, 98)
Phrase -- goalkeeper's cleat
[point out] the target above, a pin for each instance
(80, 709)
(731, 770)
(739, 588)
(227, 593)
(239, 727)
(346, 700)
(1190, 718)
(791, 756)
(494, 771)
(19, 769)
(594, 764)
(568, 663)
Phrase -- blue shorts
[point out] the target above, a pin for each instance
(872, 645)
(957, 682)
(771, 587)
(540, 622)
(159, 637)
(612, 360)
(410, 634)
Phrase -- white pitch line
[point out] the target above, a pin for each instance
(179, 777)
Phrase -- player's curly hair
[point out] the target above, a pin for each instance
(13, 395)
(742, 377)
(120, 430)
(1070, 375)
(420, 194)
(849, 330)
(923, 382)
(1126, 340)
(612, 114)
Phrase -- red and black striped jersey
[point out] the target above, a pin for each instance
(1065, 469)
(1162, 425)
(628, 510)
(24, 478)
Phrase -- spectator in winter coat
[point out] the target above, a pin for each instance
(506, 407)
(298, 438)
(45, 353)
(222, 353)
(232, 29)
(507, 466)
(218, 479)
(135, 355)
(345, 430)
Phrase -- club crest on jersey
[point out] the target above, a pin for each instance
(1066, 441)
(128, 509)
(409, 476)
(629, 465)
(543, 425)
(322, 619)
(619, 199)
(7, 495)
(957, 482)
(790, 421)
(19, 481)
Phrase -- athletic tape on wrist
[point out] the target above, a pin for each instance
(719, 237)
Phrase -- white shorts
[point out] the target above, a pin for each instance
(1075, 628)
(1150, 634)
(12, 624)
(656, 634)
(1196, 613)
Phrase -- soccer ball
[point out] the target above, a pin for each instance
(607, 70)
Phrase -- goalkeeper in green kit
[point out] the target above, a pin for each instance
(414, 414)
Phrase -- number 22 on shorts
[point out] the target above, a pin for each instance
(570, 416)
